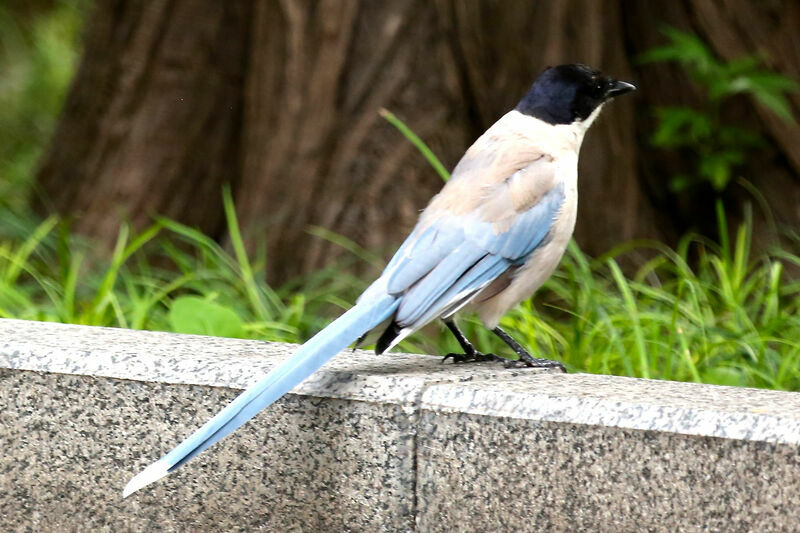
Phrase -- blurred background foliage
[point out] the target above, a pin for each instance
(718, 148)
(39, 50)
(717, 306)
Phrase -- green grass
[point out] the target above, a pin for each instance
(725, 316)
(730, 319)
(710, 312)
(168, 277)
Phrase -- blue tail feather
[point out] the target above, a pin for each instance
(308, 358)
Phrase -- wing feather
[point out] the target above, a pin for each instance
(492, 214)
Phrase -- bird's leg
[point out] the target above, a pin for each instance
(523, 354)
(467, 346)
(470, 353)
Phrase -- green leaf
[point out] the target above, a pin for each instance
(724, 376)
(688, 50)
(769, 88)
(717, 168)
(742, 66)
(680, 126)
(195, 315)
(776, 103)
(773, 81)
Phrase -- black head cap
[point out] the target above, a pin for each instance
(569, 93)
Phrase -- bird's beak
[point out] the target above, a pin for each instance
(617, 88)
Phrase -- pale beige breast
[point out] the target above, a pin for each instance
(540, 266)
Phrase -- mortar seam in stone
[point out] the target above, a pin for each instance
(417, 416)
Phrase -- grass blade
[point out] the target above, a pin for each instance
(420, 145)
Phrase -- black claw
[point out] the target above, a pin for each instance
(474, 357)
(456, 357)
(534, 362)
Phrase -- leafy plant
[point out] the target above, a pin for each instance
(718, 147)
(201, 316)
(730, 318)
(168, 277)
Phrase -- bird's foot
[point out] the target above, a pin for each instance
(525, 359)
(472, 357)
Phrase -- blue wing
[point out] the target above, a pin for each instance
(443, 265)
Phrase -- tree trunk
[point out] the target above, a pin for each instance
(152, 124)
(281, 98)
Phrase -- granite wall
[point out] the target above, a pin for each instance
(377, 443)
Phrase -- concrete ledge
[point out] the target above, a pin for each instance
(378, 443)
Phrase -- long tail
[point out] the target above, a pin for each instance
(308, 358)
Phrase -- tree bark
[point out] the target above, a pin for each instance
(281, 98)
(152, 124)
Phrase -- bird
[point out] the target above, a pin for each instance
(487, 241)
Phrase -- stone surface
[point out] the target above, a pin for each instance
(86, 408)
(598, 453)
(377, 443)
(612, 401)
(201, 360)
(324, 465)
